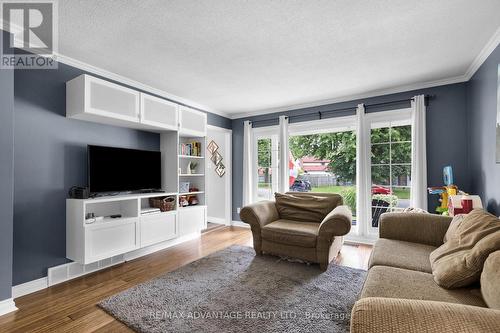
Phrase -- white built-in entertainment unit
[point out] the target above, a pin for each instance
(134, 227)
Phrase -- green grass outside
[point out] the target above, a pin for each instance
(401, 193)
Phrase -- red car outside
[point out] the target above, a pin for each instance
(380, 190)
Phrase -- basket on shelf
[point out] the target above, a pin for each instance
(165, 204)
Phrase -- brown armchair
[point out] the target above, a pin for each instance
(307, 226)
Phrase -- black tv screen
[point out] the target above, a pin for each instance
(123, 170)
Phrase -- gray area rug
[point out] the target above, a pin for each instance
(235, 291)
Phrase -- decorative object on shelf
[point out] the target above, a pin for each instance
(220, 169)
(183, 201)
(190, 149)
(164, 203)
(212, 147)
(193, 200)
(191, 168)
(194, 189)
(184, 187)
(216, 158)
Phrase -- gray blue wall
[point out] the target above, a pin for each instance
(50, 157)
(446, 134)
(482, 115)
(6, 179)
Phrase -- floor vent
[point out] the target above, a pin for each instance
(73, 270)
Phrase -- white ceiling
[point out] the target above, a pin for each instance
(235, 56)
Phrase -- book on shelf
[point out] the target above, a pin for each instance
(190, 148)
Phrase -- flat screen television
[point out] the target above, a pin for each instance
(123, 170)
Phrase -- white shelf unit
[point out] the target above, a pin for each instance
(93, 99)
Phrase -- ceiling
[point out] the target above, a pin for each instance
(235, 56)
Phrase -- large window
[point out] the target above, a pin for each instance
(322, 158)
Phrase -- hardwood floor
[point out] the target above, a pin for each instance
(71, 306)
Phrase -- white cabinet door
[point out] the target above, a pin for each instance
(192, 122)
(157, 228)
(191, 220)
(111, 99)
(104, 240)
(92, 99)
(159, 113)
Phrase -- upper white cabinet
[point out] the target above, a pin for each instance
(93, 99)
(192, 122)
(159, 113)
(90, 98)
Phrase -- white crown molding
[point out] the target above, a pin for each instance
(493, 42)
(7, 306)
(29, 287)
(374, 93)
(136, 84)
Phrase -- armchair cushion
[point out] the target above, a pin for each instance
(307, 208)
(291, 232)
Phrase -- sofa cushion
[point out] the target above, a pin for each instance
(291, 232)
(490, 281)
(453, 228)
(392, 282)
(395, 253)
(459, 261)
(302, 207)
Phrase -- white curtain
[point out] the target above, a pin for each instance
(418, 192)
(284, 170)
(248, 161)
(363, 188)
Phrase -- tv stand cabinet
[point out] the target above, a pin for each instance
(91, 240)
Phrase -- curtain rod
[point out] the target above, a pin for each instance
(321, 113)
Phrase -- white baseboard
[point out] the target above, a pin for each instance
(7, 306)
(240, 224)
(29, 287)
(73, 270)
(217, 220)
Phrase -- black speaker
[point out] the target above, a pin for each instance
(77, 192)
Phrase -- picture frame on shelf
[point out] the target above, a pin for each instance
(184, 187)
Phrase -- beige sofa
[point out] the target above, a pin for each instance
(317, 241)
(400, 294)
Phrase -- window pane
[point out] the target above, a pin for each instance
(264, 189)
(401, 152)
(401, 175)
(264, 153)
(381, 175)
(401, 133)
(380, 135)
(380, 154)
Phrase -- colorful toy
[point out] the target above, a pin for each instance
(445, 191)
